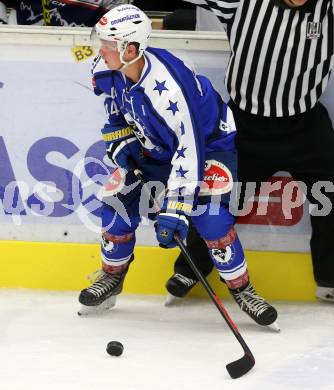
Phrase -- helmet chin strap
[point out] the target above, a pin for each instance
(127, 63)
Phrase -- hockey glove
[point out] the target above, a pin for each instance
(121, 144)
(172, 221)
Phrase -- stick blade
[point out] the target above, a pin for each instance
(241, 366)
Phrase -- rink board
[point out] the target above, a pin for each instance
(49, 183)
(57, 266)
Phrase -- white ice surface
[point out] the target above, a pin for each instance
(45, 345)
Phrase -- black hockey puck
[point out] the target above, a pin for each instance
(115, 348)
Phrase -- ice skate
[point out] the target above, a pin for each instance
(101, 295)
(106, 305)
(325, 294)
(178, 286)
(255, 306)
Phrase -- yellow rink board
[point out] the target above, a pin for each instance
(60, 266)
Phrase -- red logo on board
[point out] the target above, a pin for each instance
(274, 206)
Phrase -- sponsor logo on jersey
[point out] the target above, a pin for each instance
(217, 180)
(118, 134)
(179, 206)
(115, 183)
(313, 30)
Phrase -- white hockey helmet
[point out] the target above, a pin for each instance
(124, 24)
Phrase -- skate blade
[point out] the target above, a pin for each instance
(171, 299)
(96, 310)
(274, 326)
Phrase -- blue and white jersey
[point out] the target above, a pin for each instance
(178, 116)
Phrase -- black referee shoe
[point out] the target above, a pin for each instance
(179, 285)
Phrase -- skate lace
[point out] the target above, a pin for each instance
(183, 279)
(102, 282)
(251, 301)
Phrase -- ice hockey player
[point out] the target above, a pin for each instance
(177, 130)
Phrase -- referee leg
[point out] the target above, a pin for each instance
(199, 253)
(318, 166)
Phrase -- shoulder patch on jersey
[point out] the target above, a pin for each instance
(218, 179)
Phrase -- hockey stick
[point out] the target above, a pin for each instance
(241, 366)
